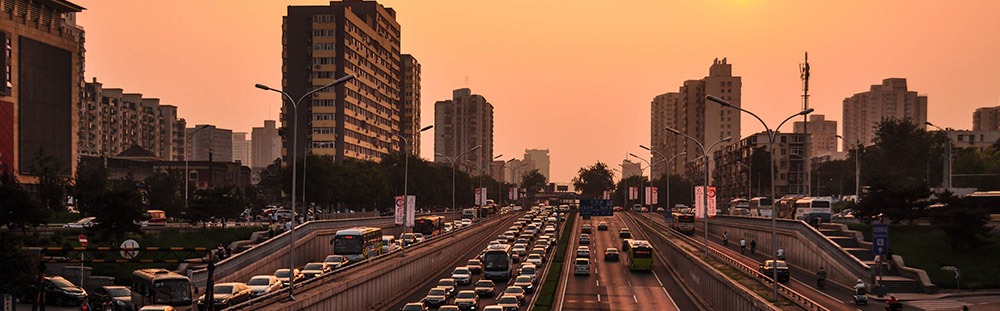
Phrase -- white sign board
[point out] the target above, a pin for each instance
(699, 202)
(400, 210)
(411, 209)
(653, 195)
(711, 201)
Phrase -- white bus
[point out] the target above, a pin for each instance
(497, 262)
(161, 287)
(761, 207)
(739, 207)
(811, 210)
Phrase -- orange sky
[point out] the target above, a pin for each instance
(576, 77)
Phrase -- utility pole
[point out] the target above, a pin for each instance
(804, 73)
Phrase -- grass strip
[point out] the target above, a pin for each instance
(547, 294)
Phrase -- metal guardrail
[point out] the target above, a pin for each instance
(785, 291)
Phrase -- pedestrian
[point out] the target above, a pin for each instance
(270, 231)
(743, 246)
(229, 251)
(781, 253)
(753, 247)
(725, 238)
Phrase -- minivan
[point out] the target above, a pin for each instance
(581, 266)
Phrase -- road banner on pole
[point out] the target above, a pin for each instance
(411, 209)
(711, 201)
(699, 202)
(479, 196)
(482, 196)
(633, 193)
(606, 195)
(653, 195)
(400, 210)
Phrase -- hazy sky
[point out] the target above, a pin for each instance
(576, 77)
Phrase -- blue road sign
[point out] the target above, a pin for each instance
(880, 239)
(596, 208)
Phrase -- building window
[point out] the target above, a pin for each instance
(324, 32)
(324, 60)
(324, 47)
(323, 130)
(322, 103)
(323, 117)
(324, 18)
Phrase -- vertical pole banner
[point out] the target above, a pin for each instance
(479, 196)
(400, 210)
(647, 199)
(633, 193)
(711, 201)
(699, 202)
(482, 196)
(653, 195)
(411, 209)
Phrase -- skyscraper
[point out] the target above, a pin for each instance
(986, 119)
(266, 145)
(540, 159)
(462, 123)
(687, 112)
(889, 100)
(357, 119)
(822, 134)
(410, 102)
(208, 143)
(242, 149)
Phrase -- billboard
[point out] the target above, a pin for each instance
(699, 202)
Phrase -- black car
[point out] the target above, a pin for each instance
(602, 226)
(768, 269)
(624, 233)
(611, 254)
(119, 298)
(485, 288)
(60, 292)
(467, 300)
(226, 295)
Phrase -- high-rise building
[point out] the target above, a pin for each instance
(822, 134)
(889, 100)
(266, 145)
(358, 119)
(540, 159)
(208, 143)
(986, 119)
(462, 123)
(515, 169)
(242, 149)
(410, 102)
(112, 121)
(630, 168)
(42, 63)
(688, 112)
(172, 139)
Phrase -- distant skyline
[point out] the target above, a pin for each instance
(577, 77)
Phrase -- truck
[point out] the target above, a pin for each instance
(472, 214)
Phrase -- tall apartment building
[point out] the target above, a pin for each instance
(731, 174)
(266, 145)
(208, 143)
(979, 140)
(822, 134)
(630, 168)
(540, 159)
(42, 61)
(410, 102)
(688, 112)
(111, 121)
(462, 123)
(358, 119)
(242, 149)
(986, 119)
(889, 100)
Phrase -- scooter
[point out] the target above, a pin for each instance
(860, 298)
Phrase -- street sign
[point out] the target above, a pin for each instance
(596, 208)
(880, 239)
(130, 254)
(400, 210)
(83, 240)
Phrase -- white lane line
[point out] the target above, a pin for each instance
(629, 283)
(598, 283)
(816, 289)
(658, 279)
(635, 299)
(598, 297)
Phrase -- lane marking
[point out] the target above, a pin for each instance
(598, 297)
(635, 299)
(629, 283)
(658, 279)
(598, 283)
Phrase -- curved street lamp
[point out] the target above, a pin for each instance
(704, 192)
(452, 161)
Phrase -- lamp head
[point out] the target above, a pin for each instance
(498, 156)
(928, 123)
(427, 128)
(728, 138)
(632, 154)
(720, 101)
(643, 147)
(673, 131)
(476, 148)
(262, 87)
(807, 111)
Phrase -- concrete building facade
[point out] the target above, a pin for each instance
(242, 149)
(539, 159)
(460, 124)
(630, 168)
(822, 134)
(358, 119)
(42, 64)
(111, 121)
(410, 102)
(986, 119)
(889, 100)
(266, 145)
(208, 143)
(974, 139)
(731, 176)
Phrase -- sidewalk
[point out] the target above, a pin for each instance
(952, 294)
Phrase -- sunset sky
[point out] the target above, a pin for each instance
(576, 77)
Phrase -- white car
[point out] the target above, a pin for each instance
(534, 259)
(457, 223)
(529, 270)
(581, 266)
(462, 276)
(466, 222)
(335, 261)
(85, 222)
(263, 284)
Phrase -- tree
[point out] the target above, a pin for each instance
(51, 182)
(163, 191)
(19, 269)
(18, 210)
(681, 190)
(985, 164)
(893, 200)
(593, 180)
(118, 209)
(216, 202)
(533, 181)
(965, 225)
(92, 181)
(898, 168)
(621, 189)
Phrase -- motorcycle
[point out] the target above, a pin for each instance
(860, 297)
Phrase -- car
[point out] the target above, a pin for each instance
(525, 282)
(515, 291)
(611, 254)
(485, 288)
(584, 239)
(535, 259)
(466, 222)
(768, 269)
(457, 224)
(602, 226)
(538, 250)
(448, 308)
(467, 300)
(82, 223)
(585, 228)
(420, 236)
(528, 270)
(408, 239)
(659, 209)
(522, 240)
(448, 284)
(315, 269)
(62, 292)
(119, 297)
(158, 308)
(520, 249)
(448, 227)
(226, 295)
(436, 297)
(624, 233)
(493, 308)
(583, 252)
(263, 284)
(283, 275)
(509, 303)
(335, 261)
(475, 266)
(462, 276)
(543, 244)
(581, 266)
(414, 306)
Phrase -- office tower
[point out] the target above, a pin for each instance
(266, 145)
(462, 123)
(208, 143)
(410, 102)
(42, 63)
(822, 134)
(540, 159)
(358, 119)
(242, 149)
(986, 119)
(889, 100)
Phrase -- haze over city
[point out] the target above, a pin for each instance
(576, 77)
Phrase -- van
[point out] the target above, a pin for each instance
(157, 218)
(389, 243)
(581, 266)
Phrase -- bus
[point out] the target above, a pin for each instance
(786, 207)
(812, 210)
(497, 262)
(638, 255)
(161, 287)
(683, 223)
(761, 207)
(739, 207)
(429, 225)
(358, 243)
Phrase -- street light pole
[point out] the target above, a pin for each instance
(295, 105)
(774, 205)
(452, 161)
(668, 167)
(946, 179)
(857, 167)
(704, 192)
(187, 173)
(500, 181)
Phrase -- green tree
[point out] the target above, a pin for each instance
(533, 181)
(19, 269)
(117, 210)
(984, 164)
(965, 225)
(216, 202)
(898, 170)
(593, 180)
(681, 191)
(163, 191)
(51, 180)
(91, 182)
(621, 190)
(893, 200)
(18, 210)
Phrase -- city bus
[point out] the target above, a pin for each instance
(358, 243)
(497, 262)
(812, 210)
(739, 207)
(161, 287)
(761, 207)
(429, 225)
(683, 223)
(786, 207)
(638, 255)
